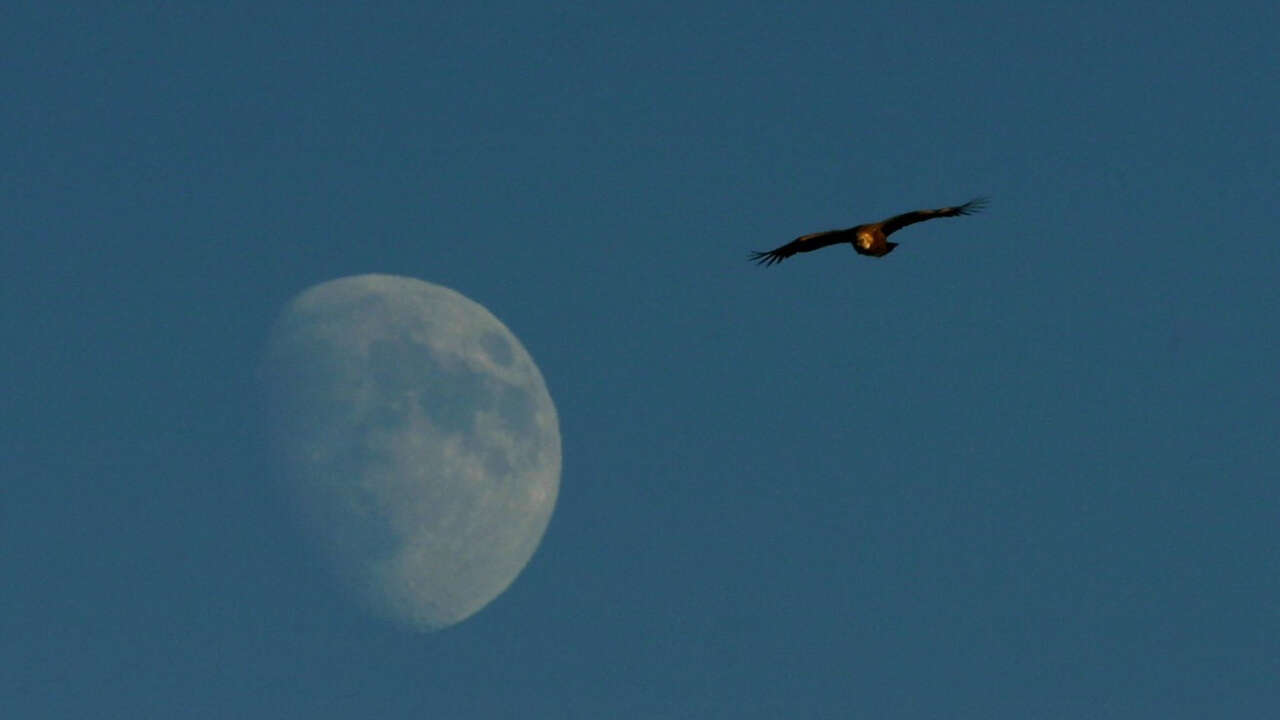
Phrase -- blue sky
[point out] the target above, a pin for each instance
(1023, 467)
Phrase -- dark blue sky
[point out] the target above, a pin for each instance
(1023, 467)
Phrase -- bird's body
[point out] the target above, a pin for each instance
(870, 239)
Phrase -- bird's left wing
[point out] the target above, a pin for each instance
(804, 243)
(897, 222)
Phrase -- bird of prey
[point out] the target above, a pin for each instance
(869, 239)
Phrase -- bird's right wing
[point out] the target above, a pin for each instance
(804, 243)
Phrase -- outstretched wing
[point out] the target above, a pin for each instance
(897, 222)
(804, 243)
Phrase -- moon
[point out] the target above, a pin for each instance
(417, 442)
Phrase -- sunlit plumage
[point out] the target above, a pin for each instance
(867, 239)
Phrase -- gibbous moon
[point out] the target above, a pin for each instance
(418, 441)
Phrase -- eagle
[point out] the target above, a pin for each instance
(869, 239)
